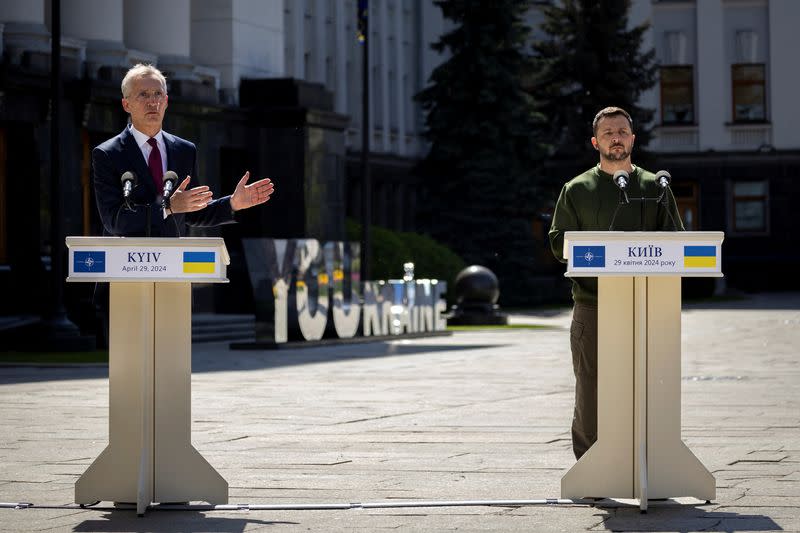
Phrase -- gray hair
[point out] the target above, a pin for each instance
(141, 70)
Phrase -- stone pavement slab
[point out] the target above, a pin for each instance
(479, 415)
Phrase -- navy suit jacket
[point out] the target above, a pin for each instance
(121, 154)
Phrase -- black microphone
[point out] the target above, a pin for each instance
(128, 180)
(663, 179)
(621, 179)
(170, 180)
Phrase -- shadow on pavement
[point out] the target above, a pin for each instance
(170, 522)
(257, 359)
(205, 359)
(682, 517)
(760, 301)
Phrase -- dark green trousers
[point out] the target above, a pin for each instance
(583, 342)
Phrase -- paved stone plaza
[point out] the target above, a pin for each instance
(475, 416)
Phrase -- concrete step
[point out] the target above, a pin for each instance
(210, 327)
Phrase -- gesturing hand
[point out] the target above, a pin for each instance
(186, 201)
(249, 195)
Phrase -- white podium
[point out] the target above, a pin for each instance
(149, 457)
(639, 452)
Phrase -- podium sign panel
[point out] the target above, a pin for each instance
(149, 457)
(200, 261)
(639, 452)
(643, 253)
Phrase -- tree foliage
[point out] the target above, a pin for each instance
(485, 141)
(589, 60)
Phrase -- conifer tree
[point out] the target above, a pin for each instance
(485, 143)
(589, 60)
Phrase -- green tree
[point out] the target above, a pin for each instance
(589, 60)
(485, 142)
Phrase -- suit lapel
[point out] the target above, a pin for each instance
(136, 160)
(169, 142)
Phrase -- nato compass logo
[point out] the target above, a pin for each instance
(588, 256)
(89, 262)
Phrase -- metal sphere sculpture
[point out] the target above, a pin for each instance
(476, 290)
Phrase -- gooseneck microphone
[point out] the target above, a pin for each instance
(663, 179)
(128, 181)
(170, 180)
(621, 179)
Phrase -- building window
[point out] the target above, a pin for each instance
(677, 95)
(749, 92)
(750, 206)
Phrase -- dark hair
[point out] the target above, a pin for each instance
(610, 112)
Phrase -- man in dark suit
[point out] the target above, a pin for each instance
(147, 151)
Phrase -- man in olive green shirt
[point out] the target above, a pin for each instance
(589, 202)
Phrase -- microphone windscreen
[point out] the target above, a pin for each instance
(618, 175)
(128, 176)
(170, 175)
(662, 176)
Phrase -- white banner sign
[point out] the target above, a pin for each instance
(668, 256)
(143, 263)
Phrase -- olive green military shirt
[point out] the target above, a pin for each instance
(587, 203)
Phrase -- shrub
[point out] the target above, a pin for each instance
(390, 249)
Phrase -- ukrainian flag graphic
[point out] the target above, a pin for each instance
(199, 262)
(699, 256)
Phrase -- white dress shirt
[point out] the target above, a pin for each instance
(144, 146)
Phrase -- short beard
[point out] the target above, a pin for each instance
(614, 156)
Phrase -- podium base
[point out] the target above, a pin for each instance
(188, 478)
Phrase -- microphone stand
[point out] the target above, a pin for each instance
(623, 200)
(148, 211)
(127, 205)
(663, 200)
(172, 216)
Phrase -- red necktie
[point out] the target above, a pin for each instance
(154, 162)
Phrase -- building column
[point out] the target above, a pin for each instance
(161, 29)
(164, 29)
(713, 76)
(320, 49)
(783, 111)
(341, 57)
(104, 46)
(399, 76)
(222, 37)
(24, 29)
(299, 37)
(373, 61)
(642, 12)
(384, 73)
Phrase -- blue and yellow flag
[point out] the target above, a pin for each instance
(199, 262)
(699, 256)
